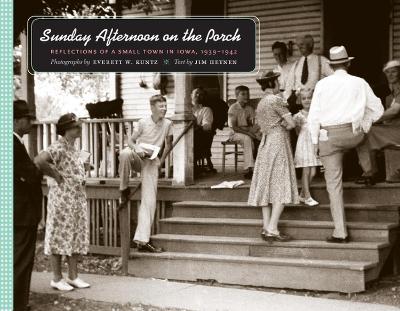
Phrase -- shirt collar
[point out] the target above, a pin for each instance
(158, 122)
(340, 72)
(308, 56)
(19, 138)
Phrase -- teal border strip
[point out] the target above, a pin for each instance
(6, 152)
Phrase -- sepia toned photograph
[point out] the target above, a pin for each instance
(207, 155)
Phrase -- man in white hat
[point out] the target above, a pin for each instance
(342, 111)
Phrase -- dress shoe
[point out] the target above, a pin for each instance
(366, 180)
(148, 248)
(280, 237)
(61, 285)
(311, 202)
(333, 239)
(78, 283)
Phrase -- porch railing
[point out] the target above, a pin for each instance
(103, 138)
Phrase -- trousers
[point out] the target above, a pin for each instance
(129, 161)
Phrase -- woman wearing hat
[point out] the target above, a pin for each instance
(387, 131)
(67, 227)
(274, 178)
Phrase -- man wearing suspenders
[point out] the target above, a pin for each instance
(307, 70)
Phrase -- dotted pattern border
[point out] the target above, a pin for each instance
(6, 152)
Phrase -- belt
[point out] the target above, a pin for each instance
(329, 127)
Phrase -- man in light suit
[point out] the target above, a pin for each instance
(27, 207)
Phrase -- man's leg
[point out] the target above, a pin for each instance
(24, 254)
(333, 165)
(366, 158)
(248, 148)
(148, 201)
(126, 160)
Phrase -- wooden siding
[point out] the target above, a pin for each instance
(280, 20)
(136, 99)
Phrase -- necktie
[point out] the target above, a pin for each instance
(304, 73)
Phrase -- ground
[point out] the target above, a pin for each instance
(55, 302)
(384, 291)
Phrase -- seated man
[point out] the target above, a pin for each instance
(386, 131)
(241, 120)
(154, 130)
(203, 130)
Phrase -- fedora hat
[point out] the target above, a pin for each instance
(264, 75)
(391, 64)
(338, 55)
(21, 110)
(66, 122)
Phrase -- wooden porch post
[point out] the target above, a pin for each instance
(183, 151)
(28, 93)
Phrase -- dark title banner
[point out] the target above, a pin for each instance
(199, 45)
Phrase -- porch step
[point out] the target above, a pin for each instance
(298, 229)
(256, 247)
(354, 212)
(382, 193)
(295, 273)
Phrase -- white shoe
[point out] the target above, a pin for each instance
(78, 283)
(61, 285)
(311, 202)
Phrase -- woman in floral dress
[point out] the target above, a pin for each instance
(67, 227)
(274, 179)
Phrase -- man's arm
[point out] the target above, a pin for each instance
(373, 110)
(132, 139)
(240, 129)
(44, 162)
(208, 119)
(25, 170)
(390, 113)
(290, 82)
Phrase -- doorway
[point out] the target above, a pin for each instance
(363, 28)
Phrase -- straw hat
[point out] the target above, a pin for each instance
(391, 64)
(338, 55)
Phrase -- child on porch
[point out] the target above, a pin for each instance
(304, 155)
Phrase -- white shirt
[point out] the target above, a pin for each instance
(294, 77)
(342, 98)
(284, 71)
(204, 116)
(19, 137)
(152, 133)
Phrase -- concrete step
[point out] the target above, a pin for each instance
(354, 212)
(298, 229)
(256, 247)
(295, 273)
